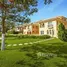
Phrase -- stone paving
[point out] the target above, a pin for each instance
(29, 43)
(14, 44)
(9, 45)
(20, 44)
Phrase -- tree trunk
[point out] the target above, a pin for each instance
(3, 42)
(3, 34)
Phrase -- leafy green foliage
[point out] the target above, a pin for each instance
(62, 33)
(9, 25)
(47, 1)
(11, 10)
(14, 8)
(21, 36)
(32, 36)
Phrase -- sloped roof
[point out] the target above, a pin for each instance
(60, 18)
(51, 19)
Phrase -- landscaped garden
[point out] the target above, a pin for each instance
(33, 52)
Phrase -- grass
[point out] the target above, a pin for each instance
(27, 56)
(17, 41)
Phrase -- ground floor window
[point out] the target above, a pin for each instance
(47, 31)
(50, 32)
(42, 32)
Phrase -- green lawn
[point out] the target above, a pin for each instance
(17, 41)
(52, 53)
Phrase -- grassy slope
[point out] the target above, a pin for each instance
(26, 56)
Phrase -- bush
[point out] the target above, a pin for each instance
(66, 34)
(44, 36)
(12, 32)
(15, 32)
(9, 32)
(11, 35)
(0, 33)
(62, 33)
(32, 36)
(20, 36)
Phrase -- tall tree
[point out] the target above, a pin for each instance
(62, 32)
(11, 9)
(9, 25)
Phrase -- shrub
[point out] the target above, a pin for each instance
(32, 36)
(27, 36)
(0, 33)
(12, 32)
(15, 32)
(9, 32)
(11, 35)
(45, 36)
(62, 32)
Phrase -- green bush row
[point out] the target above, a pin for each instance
(32, 36)
(28, 36)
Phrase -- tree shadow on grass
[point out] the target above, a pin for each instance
(31, 62)
(56, 48)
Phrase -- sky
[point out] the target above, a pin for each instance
(56, 8)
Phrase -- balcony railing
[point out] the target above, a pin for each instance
(50, 26)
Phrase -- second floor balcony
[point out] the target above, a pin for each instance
(50, 26)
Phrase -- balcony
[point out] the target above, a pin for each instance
(50, 26)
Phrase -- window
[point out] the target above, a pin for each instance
(47, 32)
(42, 32)
(50, 24)
(52, 32)
(42, 25)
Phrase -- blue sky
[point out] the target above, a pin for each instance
(57, 8)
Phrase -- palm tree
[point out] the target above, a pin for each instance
(11, 9)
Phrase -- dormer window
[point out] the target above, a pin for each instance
(42, 25)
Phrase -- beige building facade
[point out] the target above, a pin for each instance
(48, 28)
(45, 27)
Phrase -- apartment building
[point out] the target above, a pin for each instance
(32, 29)
(45, 27)
(27, 29)
(19, 28)
(50, 26)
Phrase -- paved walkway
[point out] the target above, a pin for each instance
(29, 43)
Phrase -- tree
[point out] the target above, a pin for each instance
(47, 1)
(62, 32)
(11, 9)
(9, 26)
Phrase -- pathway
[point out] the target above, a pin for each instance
(29, 42)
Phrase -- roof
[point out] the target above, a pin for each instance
(60, 18)
(53, 19)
